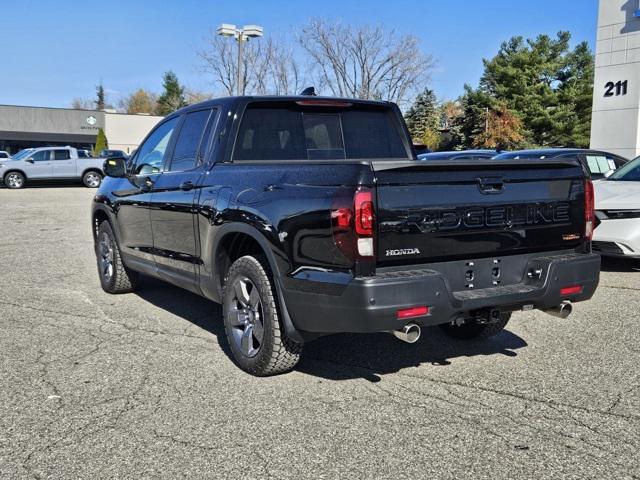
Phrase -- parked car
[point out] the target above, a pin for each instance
(50, 163)
(306, 216)
(107, 153)
(597, 161)
(618, 212)
(4, 155)
(459, 155)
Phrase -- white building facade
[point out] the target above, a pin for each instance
(615, 123)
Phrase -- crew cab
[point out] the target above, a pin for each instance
(51, 163)
(306, 216)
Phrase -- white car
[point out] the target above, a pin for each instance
(4, 155)
(618, 212)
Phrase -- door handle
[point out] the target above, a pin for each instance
(186, 186)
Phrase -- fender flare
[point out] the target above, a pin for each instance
(247, 229)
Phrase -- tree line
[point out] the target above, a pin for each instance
(532, 93)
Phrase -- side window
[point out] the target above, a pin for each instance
(614, 162)
(41, 156)
(598, 164)
(151, 154)
(188, 142)
(61, 155)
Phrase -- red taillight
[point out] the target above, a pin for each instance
(412, 312)
(353, 221)
(364, 212)
(588, 209)
(572, 290)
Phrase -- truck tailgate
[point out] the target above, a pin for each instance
(438, 211)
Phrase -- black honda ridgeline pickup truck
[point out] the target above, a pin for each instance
(307, 216)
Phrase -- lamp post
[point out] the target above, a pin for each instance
(241, 35)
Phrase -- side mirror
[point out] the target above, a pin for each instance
(29, 160)
(115, 167)
(609, 173)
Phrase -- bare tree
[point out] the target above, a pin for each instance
(140, 101)
(82, 104)
(365, 62)
(268, 66)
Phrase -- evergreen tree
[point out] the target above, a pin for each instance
(172, 98)
(423, 115)
(547, 84)
(100, 97)
(101, 143)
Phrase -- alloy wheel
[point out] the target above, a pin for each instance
(245, 316)
(93, 180)
(14, 180)
(105, 257)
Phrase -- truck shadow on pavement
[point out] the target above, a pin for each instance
(343, 356)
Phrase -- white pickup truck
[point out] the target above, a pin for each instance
(50, 163)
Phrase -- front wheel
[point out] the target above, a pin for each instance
(14, 180)
(473, 329)
(251, 321)
(92, 179)
(115, 277)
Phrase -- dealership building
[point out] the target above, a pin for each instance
(615, 123)
(23, 127)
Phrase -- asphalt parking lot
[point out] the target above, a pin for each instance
(140, 385)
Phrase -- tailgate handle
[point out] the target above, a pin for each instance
(490, 185)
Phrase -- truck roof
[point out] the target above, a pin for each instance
(229, 101)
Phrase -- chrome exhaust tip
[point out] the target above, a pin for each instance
(410, 333)
(561, 311)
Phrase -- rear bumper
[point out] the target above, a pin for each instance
(370, 304)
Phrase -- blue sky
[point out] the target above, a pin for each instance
(51, 52)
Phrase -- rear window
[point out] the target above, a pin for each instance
(295, 133)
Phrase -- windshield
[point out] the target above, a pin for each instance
(22, 153)
(629, 172)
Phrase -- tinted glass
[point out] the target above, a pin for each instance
(150, 156)
(296, 134)
(40, 156)
(61, 155)
(4, 155)
(630, 172)
(188, 142)
(323, 136)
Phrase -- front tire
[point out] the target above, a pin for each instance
(115, 277)
(475, 330)
(92, 179)
(14, 180)
(251, 320)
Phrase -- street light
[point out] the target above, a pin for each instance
(241, 35)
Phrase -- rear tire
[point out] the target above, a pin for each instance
(474, 330)
(115, 277)
(92, 179)
(251, 320)
(14, 180)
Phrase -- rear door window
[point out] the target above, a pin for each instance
(189, 140)
(61, 155)
(313, 133)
